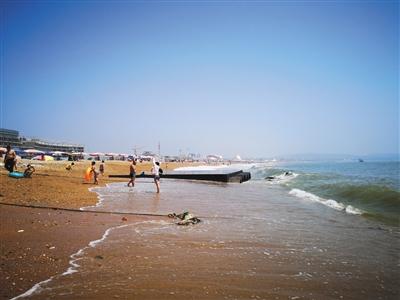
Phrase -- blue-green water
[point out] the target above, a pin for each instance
(368, 188)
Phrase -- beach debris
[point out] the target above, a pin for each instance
(185, 217)
(21, 230)
(48, 246)
(124, 219)
(99, 257)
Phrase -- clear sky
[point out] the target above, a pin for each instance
(258, 78)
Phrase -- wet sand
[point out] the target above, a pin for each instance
(28, 256)
(36, 243)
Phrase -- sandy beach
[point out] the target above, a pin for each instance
(36, 243)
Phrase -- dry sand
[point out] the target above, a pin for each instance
(36, 243)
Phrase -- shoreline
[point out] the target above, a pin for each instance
(38, 242)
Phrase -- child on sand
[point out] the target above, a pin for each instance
(69, 167)
(132, 173)
(29, 171)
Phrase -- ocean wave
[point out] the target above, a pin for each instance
(366, 194)
(327, 202)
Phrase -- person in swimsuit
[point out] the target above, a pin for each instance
(132, 173)
(93, 170)
(156, 172)
(10, 159)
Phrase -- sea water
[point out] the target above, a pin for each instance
(277, 238)
(371, 189)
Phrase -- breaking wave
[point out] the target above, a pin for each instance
(327, 202)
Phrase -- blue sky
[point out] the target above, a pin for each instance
(254, 78)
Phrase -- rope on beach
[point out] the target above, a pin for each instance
(83, 211)
(103, 212)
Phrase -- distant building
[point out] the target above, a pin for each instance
(11, 137)
(52, 146)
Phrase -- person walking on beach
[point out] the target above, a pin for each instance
(132, 173)
(94, 172)
(156, 172)
(10, 159)
(101, 168)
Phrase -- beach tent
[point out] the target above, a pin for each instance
(43, 157)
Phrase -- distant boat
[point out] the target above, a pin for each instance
(360, 160)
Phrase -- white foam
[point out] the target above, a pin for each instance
(284, 178)
(37, 287)
(99, 196)
(334, 204)
(353, 211)
(328, 202)
(94, 243)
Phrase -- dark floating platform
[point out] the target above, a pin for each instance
(220, 176)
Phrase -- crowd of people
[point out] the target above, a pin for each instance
(10, 161)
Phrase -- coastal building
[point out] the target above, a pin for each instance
(12, 137)
(51, 146)
(9, 137)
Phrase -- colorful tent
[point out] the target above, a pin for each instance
(43, 157)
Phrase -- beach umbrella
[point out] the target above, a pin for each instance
(33, 151)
